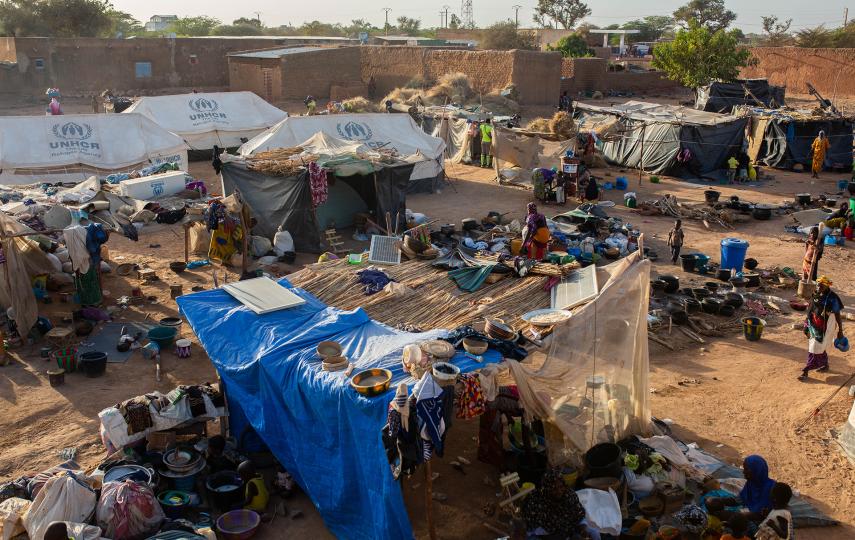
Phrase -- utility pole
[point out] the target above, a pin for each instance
(845, 16)
(446, 8)
(386, 26)
(516, 15)
(258, 17)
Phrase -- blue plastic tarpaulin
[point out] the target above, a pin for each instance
(324, 433)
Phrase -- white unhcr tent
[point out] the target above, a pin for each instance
(377, 131)
(205, 120)
(593, 385)
(71, 148)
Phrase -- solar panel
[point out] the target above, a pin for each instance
(263, 295)
(385, 250)
(575, 289)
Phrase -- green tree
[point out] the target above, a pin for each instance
(408, 26)
(247, 21)
(818, 37)
(357, 26)
(650, 28)
(777, 33)
(194, 26)
(698, 56)
(711, 14)
(318, 28)
(237, 30)
(55, 18)
(123, 24)
(20, 18)
(572, 46)
(567, 13)
(455, 22)
(504, 36)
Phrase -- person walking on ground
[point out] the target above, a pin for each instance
(487, 143)
(813, 253)
(822, 326)
(818, 149)
(675, 240)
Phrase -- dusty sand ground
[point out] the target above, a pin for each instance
(748, 399)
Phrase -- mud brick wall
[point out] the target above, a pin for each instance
(536, 75)
(651, 82)
(831, 71)
(89, 65)
(314, 73)
(260, 75)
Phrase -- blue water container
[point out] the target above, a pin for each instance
(842, 184)
(733, 252)
(621, 183)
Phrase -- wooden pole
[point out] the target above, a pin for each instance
(641, 159)
(186, 243)
(429, 501)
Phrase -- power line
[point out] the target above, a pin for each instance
(516, 15)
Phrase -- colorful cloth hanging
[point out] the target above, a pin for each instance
(318, 184)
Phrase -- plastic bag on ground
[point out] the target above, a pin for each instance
(128, 511)
(260, 246)
(602, 510)
(11, 512)
(66, 497)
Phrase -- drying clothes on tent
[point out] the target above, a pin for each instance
(318, 184)
(429, 408)
(75, 241)
(468, 396)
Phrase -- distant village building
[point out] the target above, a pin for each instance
(158, 23)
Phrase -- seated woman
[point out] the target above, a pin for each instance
(554, 507)
(755, 497)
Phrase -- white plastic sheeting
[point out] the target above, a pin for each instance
(208, 119)
(72, 147)
(593, 385)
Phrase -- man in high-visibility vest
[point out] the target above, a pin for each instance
(487, 143)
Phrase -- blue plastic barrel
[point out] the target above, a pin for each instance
(842, 184)
(621, 183)
(733, 252)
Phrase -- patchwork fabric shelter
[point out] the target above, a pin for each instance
(205, 120)
(656, 137)
(73, 147)
(322, 431)
(783, 138)
(722, 97)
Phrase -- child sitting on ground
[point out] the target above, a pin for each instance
(738, 526)
(778, 525)
(256, 496)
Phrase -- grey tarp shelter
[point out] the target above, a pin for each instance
(653, 137)
(722, 97)
(287, 200)
(783, 139)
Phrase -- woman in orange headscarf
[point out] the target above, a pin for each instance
(818, 149)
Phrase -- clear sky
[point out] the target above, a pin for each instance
(604, 12)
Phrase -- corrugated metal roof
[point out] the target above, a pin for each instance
(276, 53)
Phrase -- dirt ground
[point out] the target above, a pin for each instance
(743, 397)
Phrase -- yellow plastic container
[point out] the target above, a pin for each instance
(516, 246)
